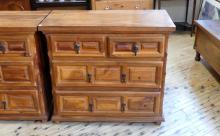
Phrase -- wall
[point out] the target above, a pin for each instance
(177, 9)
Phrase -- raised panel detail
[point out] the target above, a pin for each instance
(17, 74)
(137, 46)
(70, 74)
(78, 45)
(107, 74)
(107, 104)
(19, 102)
(73, 104)
(144, 75)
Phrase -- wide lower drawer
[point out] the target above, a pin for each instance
(17, 74)
(15, 45)
(114, 74)
(108, 103)
(19, 102)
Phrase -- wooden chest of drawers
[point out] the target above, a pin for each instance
(108, 65)
(22, 94)
(122, 4)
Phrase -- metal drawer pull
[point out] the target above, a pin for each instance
(90, 107)
(77, 47)
(135, 49)
(89, 78)
(123, 78)
(107, 8)
(2, 48)
(123, 105)
(4, 104)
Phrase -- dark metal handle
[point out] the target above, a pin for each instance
(123, 107)
(89, 77)
(123, 78)
(4, 104)
(77, 47)
(2, 48)
(135, 49)
(91, 107)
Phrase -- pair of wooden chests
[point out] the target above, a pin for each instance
(87, 65)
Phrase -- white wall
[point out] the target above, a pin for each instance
(177, 9)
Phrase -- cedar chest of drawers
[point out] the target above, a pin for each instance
(107, 65)
(22, 94)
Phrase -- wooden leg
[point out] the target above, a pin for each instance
(158, 123)
(197, 58)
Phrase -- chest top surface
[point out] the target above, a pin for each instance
(114, 20)
(210, 26)
(24, 21)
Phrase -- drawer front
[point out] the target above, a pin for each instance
(146, 104)
(106, 104)
(17, 74)
(135, 47)
(78, 45)
(144, 75)
(20, 102)
(123, 4)
(71, 74)
(147, 74)
(16, 46)
(70, 104)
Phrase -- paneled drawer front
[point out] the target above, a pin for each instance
(78, 45)
(71, 74)
(17, 74)
(144, 75)
(134, 46)
(123, 4)
(16, 46)
(106, 104)
(133, 74)
(146, 104)
(20, 102)
(69, 104)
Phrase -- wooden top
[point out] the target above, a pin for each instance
(211, 27)
(22, 21)
(108, 21)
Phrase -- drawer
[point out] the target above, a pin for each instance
(78, 45)
(123, 4)
(16, 46)
(108, 103)
(17, 74)
(19, 102)
(135, 47)
(113, 74)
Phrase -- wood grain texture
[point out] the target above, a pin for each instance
(96, 21)
(191, 104)
(22, 90)
(82, 58)
(21, 21)
(207, 42)
(19, 5)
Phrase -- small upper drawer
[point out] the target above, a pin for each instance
(137, 46)
(15, 46)
(78, 45)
